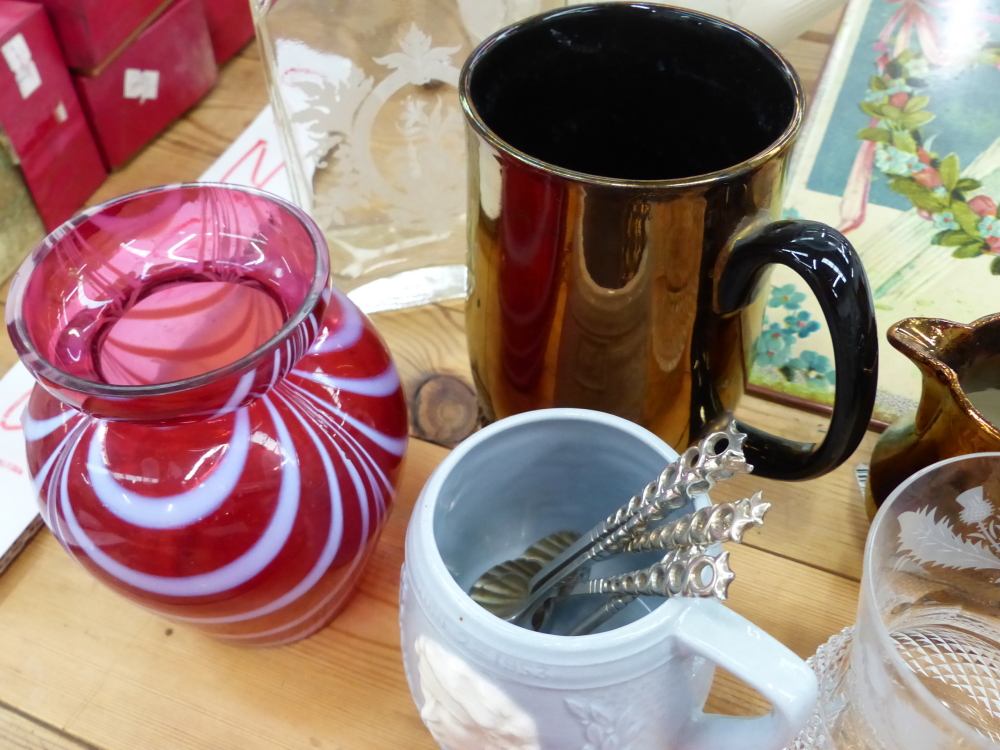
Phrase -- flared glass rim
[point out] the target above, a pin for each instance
(478, 124)
(870, 600)
(42, 368)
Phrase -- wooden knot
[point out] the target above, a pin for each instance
(444, 410)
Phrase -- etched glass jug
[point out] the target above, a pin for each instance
(365, 97)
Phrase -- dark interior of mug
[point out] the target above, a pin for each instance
(521, 484)
(629, 91)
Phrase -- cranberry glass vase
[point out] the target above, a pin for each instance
(216, 433)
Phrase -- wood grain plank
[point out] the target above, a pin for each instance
(821, 522)
(829, 24)
(809, 52)
(21, 732)
(428, 346)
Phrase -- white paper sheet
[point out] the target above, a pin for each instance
(254, 159)
(18, 509)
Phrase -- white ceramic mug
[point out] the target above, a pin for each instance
(640, 682)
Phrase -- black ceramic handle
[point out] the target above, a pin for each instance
(831, 267)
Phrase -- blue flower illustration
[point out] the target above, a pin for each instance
(773, 348)
(945, 220)
(940, 191)
(874, 96)
(776, 331)
(791, 213)
(786, 297)
(815, 366)
(989, 226)
(893, 161)
(801, 324)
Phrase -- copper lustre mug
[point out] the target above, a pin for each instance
(626, 165)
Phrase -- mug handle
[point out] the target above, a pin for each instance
(829, 264)
(708, 629)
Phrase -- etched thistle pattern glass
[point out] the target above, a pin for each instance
(365, 97)
(215, 432)
(920, 670)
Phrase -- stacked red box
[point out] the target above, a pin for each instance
(90, 31)
(231, 26)
(41, 115)
(168, 67)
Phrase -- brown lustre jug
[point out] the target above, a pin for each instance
(959, 409)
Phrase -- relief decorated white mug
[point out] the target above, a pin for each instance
(640, 682)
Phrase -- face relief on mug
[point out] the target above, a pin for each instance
(626, 166)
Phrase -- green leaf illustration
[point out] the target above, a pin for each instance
(949, 172)
(952, 238)
(968, 251)
(967, 183)
(914, 121)
(919, 196)
(871, 108)
(915, 104)
(904, 141)
(891, 111)
(875, 134)
(995, 266)
(966, 217)
(878, 83)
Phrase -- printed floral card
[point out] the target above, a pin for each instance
(901, 152)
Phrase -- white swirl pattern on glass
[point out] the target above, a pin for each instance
(175, 511)
(227, 577)
(337, 438)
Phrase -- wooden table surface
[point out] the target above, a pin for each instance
(82, 668)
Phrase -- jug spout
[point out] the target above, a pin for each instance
(958, 412)
(927, 341)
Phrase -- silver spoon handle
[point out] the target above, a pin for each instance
(694, 472)
(687, 568)
(725, 522)
(688, 572)
(600, 616)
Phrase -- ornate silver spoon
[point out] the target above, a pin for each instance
(718, 456)
(686, 570)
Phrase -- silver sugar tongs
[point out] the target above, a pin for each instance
(686, 570)
(694, 472)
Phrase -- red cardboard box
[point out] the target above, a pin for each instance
(151, 82)
(41, 116)
(230, 23)
(90, 31)
(63, 171)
